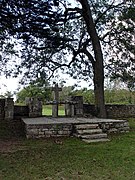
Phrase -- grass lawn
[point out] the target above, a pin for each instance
(47, 110)
(71, 159)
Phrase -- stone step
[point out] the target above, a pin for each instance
(94, 136)
(89, 131)
(95, 140)
(87, 126)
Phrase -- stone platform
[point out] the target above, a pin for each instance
(43, 127)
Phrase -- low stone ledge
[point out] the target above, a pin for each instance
(67, 129)
(52, 130)
(115, 127)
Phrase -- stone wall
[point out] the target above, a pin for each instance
(35, 106)
(48, 130)
(114, 127)
(21, 111)
(78, 105)
(89, 109)
(9, 109)
(34, 109)
(6, 109)
(8, 116)
(113, 110)
(61, 130)
(74, 106)
(120, 111)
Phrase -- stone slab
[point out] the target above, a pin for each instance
(94, 136)
(95, 140)
(89, 131)
(64, 120)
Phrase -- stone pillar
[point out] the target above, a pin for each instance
(35, 106)
(69, 108)
(9, 109)
(55, 104)
(78, 105)
(55, 109)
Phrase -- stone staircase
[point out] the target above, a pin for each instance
(90, 133)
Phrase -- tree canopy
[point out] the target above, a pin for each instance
(97, 35)
(33, 90)
(45, 31)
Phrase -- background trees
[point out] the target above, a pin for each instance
(34, 90)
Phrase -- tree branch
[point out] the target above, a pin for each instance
(109, 8)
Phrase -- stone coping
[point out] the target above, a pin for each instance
(65, 120)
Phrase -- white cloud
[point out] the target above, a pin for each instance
(8, 84)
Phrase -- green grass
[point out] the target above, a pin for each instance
(47, 110)
(71, 160)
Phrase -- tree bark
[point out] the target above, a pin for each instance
(98, 67)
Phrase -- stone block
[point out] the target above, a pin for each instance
(44, 130)
(35, 106)
(60, 132)
(117, 125)
(33, 132)
(94, 136)
(67, 127)
(41, 136)
(67, 133)
(124, 129)
(113, 130)
(107, 126)
(48, 135)
(48, 132)
(41, 133)
(126, 124)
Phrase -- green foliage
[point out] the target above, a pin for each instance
(34, 91)
(123, 65)
(112, 96)
(66, 91)
(88, 95)
(120, 96)
(7, 94)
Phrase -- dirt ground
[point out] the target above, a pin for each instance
(7, 146)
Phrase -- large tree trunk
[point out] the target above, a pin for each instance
(98, 66)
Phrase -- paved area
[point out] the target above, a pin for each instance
(65, 120)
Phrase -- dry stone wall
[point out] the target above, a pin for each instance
(6, 109)
(48, 130)
(35, 106)
(120, 111)
(21, 111)
(113, 110)
(58, 130)
(115, 127)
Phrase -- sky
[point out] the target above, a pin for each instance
(12, 84)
